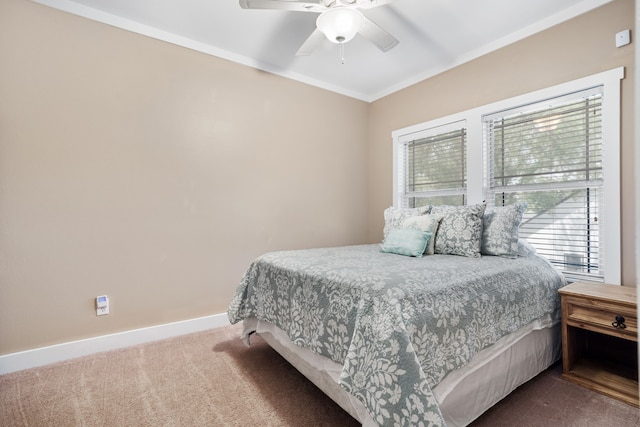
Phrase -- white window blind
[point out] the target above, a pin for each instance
(549, 155)
(433, 167)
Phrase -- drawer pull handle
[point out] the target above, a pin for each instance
(619, 323)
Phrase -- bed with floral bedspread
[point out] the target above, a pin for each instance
(397, 325)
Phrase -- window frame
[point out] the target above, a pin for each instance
(589, 245)
(477, 174)
(439, 129)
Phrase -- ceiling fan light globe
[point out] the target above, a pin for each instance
(340, 24)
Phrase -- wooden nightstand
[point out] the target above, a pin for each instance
(600, 338)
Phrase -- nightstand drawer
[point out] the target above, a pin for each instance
(602, 317)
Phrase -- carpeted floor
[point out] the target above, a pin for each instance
(212, 379)
(548, 400)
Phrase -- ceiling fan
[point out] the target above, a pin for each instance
(339, 21)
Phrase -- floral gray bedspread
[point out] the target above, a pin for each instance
(398, 325)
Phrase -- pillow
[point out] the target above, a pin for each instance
(406, 241)
(500, 230)
(460, 231)
(428, 223)
(525, 248)
(393, 217)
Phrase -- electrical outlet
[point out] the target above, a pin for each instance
(102, 305)
(623, 38)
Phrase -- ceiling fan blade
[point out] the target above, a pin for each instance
(297, 6)
(377, 35)
(368, 4)
(311, 43)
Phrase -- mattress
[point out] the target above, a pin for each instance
(464, 394)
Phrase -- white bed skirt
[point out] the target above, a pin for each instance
(463, 395)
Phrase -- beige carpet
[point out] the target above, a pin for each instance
(212, 379)
(548, 400)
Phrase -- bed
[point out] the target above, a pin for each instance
(406, 340)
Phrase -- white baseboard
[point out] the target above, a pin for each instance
(55, 353)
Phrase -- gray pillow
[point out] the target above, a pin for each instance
(460, 231)
(525, 248)
(394, 217)
(500, 230)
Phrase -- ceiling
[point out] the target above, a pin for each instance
(434, 35)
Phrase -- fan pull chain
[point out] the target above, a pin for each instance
(342, 52)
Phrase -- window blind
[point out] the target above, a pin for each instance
(549, 155)
(435, 169)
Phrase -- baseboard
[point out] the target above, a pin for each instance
(55, 353)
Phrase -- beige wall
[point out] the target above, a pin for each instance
(577, 48)
(154, 174)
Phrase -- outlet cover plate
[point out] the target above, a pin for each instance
(623, 38)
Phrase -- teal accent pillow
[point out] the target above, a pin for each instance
(406, 241)
(428, 223)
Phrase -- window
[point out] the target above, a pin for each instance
(433, 164)
(558, 149)
(549, 154)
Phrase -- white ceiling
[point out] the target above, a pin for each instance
(434, 35)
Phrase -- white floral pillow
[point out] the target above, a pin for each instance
(500, 230)
(460, 231)
(428, 223)
(394, 217)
